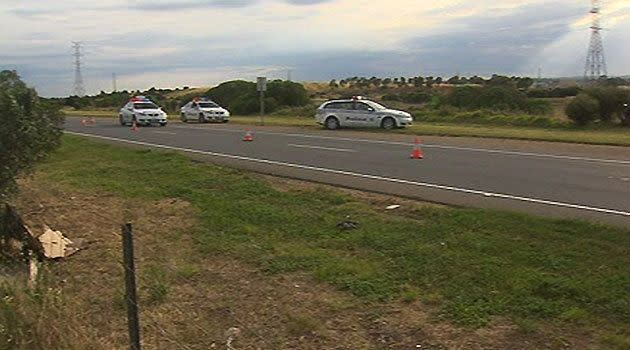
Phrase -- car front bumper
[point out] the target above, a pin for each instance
(405, 123)
(216, 117)
(149, 121)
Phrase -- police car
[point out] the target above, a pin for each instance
(142, 111)
(203, 110)
(360, 113)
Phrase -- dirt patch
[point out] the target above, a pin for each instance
(191, 300)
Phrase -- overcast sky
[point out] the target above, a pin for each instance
(166, 43)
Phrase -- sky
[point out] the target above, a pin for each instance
(167, 44)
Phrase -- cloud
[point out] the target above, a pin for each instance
(167, 5)
(172, 43)
(189, 4)
(501, 41)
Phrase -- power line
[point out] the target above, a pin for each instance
(79, 88)
(595, 60)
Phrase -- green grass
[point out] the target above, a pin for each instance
(451, 115)
(472, 264)
(464, 124)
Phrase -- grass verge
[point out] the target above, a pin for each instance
(473, 264)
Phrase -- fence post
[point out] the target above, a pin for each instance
(130, 288)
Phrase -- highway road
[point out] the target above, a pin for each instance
(558, 180)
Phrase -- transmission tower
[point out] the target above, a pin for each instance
(595, 60)
(79, 88)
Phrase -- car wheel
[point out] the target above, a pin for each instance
(388, 123)
(225, 121)
(121, 121)
(332, 123)
(183, 118)
(201, 119)
(162, 124)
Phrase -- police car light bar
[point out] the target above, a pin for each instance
(140, 99)
(357, 97)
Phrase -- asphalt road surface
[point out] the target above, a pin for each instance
(558, 180)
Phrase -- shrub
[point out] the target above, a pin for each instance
(241, 97)
(416, 97)
(31, 128)
(583, 109)
(555, 92)
(391, 97)
(611, 100)
(500, 98)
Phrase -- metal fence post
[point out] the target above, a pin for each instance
(130, 288)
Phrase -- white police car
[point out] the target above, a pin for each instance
(360, 113)
(142, 111)
(204, 110)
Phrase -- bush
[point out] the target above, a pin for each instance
(583, 109)
(391, 97)
(499, 98)
(287, 93)
(611, 100)
(241, 97)
(416, 97)
(555, 92)
(31, 128)
(411, 97)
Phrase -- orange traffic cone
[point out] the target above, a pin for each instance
(248, 136)
(83, 122)
(417, 151)
(134, 126)
(92, 121)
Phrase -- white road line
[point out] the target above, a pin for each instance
(458, 148)
(322, 148)
(367, 176)
(165, 132)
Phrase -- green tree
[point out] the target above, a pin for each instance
(524, 83)
(583, 109)
(477, 80)
(453, 80)
(611, 100)
(31, 129)
(500, 80)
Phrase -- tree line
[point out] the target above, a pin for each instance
(430, 81)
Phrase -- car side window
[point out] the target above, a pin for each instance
(332, 105)
(360, 106)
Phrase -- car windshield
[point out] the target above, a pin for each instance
(208, 105)
(376, 105)
(144, 106)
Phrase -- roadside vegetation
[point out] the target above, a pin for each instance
(31, 128)
(469, 266)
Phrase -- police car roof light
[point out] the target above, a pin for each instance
(140, 99)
